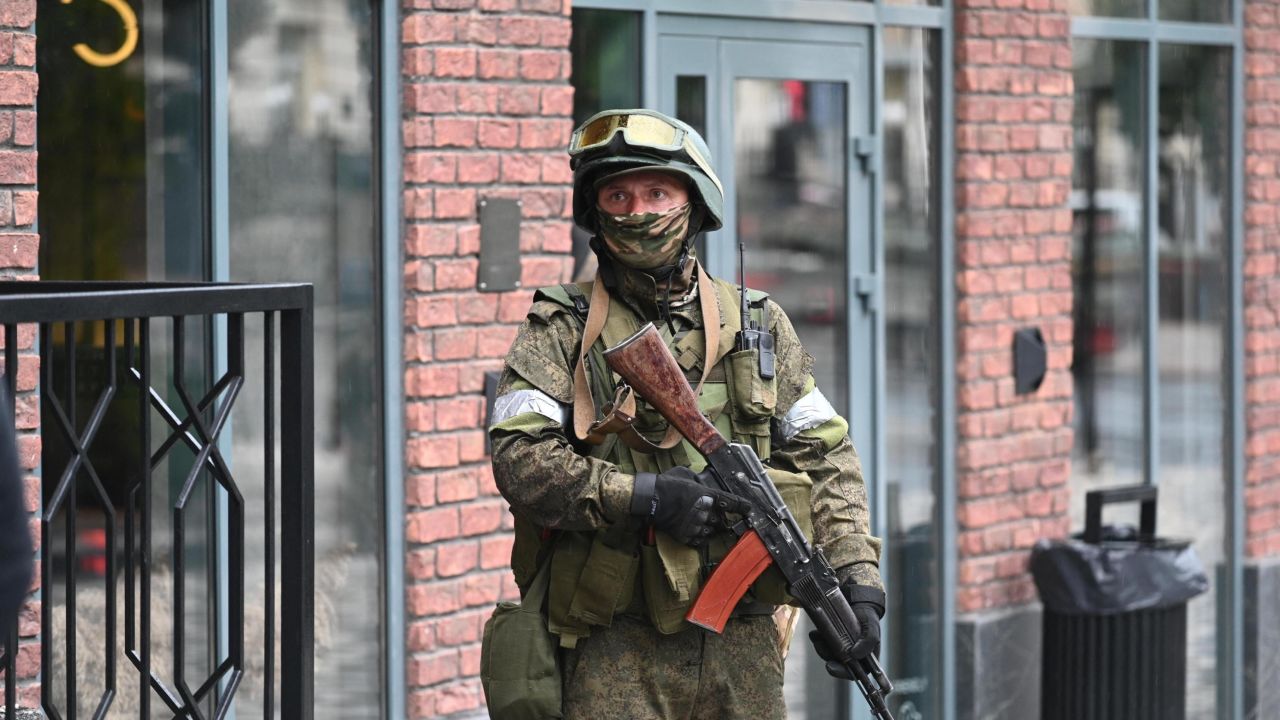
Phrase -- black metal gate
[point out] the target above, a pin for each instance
(123, 318)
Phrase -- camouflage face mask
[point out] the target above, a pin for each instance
(646, 241)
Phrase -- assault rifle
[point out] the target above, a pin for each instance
(768, 533)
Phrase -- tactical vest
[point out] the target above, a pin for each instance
(624, 568)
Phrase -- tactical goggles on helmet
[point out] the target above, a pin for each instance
(639, 129)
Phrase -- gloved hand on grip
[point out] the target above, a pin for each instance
(680, 504)
(868, 607)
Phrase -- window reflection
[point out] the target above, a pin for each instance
(1194, 205)
(1196, 10)
(911, 248)
(606, 61)
(301, 208)
(790, 186)
(122, 180)
(789, 144)
(1107, 268)
(1108, 8)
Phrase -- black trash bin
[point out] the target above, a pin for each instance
(1115, 616)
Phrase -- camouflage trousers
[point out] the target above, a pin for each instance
(630, 670)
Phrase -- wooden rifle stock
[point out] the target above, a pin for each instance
(644, 361)
(646, 364)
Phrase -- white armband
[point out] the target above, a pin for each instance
(809, 412)
(519, 402)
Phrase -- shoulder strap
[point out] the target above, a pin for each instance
(621, 412)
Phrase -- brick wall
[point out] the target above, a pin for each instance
(1262, 277)
(488, 108)
(1013, 245)
(19, 246)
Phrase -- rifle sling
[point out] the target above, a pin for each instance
(619, 415)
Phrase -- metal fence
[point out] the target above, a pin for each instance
(169, 424)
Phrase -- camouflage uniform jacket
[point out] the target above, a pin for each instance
(556, 483)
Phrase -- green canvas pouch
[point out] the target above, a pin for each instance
(519, 665)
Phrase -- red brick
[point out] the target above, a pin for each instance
(452, 62)
(24, 50)
(425, 28)
(557, 100)
(495, 552)
(433, 451)
(454, 203)
(543, 65)
(477, 308)
(17, 167)
(458, 698)
(454, 344)
(478, 31)
(419, 203)
(541, 6)
(434, 311)
(519, 31)
(455, 132)
(434, 668)
(17, 13)
(499, 133)
(18, 87)
(498, 64)
(19, 250)
(479, 169)
(430, 526)
(420, 488)
(457, 559)
(481, 590)
(479, 99)
(428, 240)
(482, 518)
(471, 445)
(459, 413)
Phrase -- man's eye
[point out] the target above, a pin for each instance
(659, 194)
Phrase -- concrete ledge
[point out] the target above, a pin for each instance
(998, 665)
(1261, 638)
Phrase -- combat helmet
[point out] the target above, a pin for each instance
(615, 141)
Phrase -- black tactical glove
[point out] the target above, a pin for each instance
(681, 505)
(868, 608)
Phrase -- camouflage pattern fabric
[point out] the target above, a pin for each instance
(646, 241)
(633, 671)
(628, 669)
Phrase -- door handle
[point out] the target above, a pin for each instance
(867, 287)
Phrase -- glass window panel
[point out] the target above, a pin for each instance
(121, 198)
(1196, 10)
(301, 206)
(606, 61)
(912, 2)
(911, 249)
(1194, 214)
(791, 180)
(1107, 269)
(691, 102)
(1108, 8)
(790, 188)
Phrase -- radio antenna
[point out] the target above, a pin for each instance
(742, 274)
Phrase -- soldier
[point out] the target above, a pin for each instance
(616, 505)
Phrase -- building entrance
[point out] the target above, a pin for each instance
(789, 126)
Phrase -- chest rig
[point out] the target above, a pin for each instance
(628, 568)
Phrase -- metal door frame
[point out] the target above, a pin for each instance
(725, 49)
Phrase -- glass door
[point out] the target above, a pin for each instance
(785, 121)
